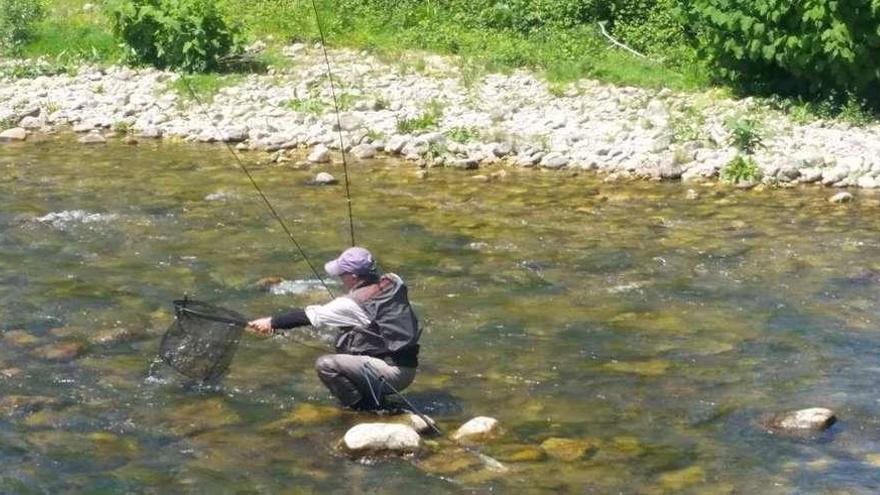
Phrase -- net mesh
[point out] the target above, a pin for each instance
(202, 340)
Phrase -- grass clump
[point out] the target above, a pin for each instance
(745, 134)
(463, 134)
(307, 105)
(18, 19)
(205, 86)
(687, 125)
(741, 168)
(429, 119)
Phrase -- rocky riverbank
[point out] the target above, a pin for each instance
(430, 111)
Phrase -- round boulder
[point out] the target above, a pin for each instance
(381, 438)
(477, 429)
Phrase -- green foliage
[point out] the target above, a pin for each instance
(745, 134)
(740, 169)
(811, 47)
(463, 134)
(205, 86)
(121, 127)
(307, 105)
(687, 125)
(427, 120)
(190, 35)
(18, 19)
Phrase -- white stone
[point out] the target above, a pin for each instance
(31, 122)
(324, 178)
(320, 154)
(363, 151)
(396, 144)
(348, 122)
(14, 134)
(813, 419)
(92, 138)
(842, 197)
(554, 160)
(381, 438)
(477, 429)
(867, 182)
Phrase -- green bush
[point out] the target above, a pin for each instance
(741, 168)
(17, 23)
(184, 34)
(745, 134)
(811, 47)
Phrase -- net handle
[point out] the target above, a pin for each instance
(180, 308)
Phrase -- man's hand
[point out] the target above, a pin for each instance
(262, 326)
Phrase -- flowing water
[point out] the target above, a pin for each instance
(652, 331)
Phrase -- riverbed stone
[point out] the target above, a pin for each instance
(92, 138)
(478, 429)
(14, 134)
(566, 449)
(381, 438)
(325, 179)
(814, 419)
(202, 415)
(320, 154)
(59, 351)
(114, 335)
(867, 182)
(16, 404)
(305, 414)
(519, 453)
(554, 160)
(841, 197)
(19, 338)
(363, 151)
(449, 461)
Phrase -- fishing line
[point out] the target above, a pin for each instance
(338, 121)
(257, 187)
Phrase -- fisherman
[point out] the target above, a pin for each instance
(377, 332)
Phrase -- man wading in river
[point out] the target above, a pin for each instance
(378, 332)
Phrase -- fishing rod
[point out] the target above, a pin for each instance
(338, 120)
(256, 186)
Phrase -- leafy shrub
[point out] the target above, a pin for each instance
(745, 134)
(463, 134)
(811, 47)
(741, 168)
(428, 119)
(185, 34)
(17, 22)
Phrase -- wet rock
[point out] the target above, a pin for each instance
(396, 144)
(319, 155)
(19, 338)
(519, 453)
(15, 404)
(654, 367)
(59, 351)
(477, 429)
(421, 174)
(202, 416)
(14, 134)
(815, 419)
(267, 282)
(682, 478)
(554, 160)
(566, 449)
(324, 179)
(670, 172)
(502, 149)
(305, 414)
(449, 461)
(129, 140)
(150, 132)
(842, 197)
(363, 151)
(381, 438)
(465, 163)
(92, 138)
(415, 422)
(11, 372)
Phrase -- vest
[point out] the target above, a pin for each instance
(393, 332)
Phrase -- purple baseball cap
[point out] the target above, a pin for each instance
(356, 260)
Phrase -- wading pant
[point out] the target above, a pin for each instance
(349, 381)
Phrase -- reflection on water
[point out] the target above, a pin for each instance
(627, 337)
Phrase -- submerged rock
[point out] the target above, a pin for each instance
(325, 179)
(19, 338)
(14, 134)
(814, 419)
(59, 351)
(477, 429)
(843, 197)
(305, 414)
(112, 336)
(566, 449)
(519, 453)
(450, 461)
(92, 138)
(381, 438)
(201, 416)
(12, 404)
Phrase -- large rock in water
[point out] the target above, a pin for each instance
(815, 419)
(319, 155)
(14, 134)
(477, 430)
(381, 438)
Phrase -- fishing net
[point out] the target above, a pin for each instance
(202, 340)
